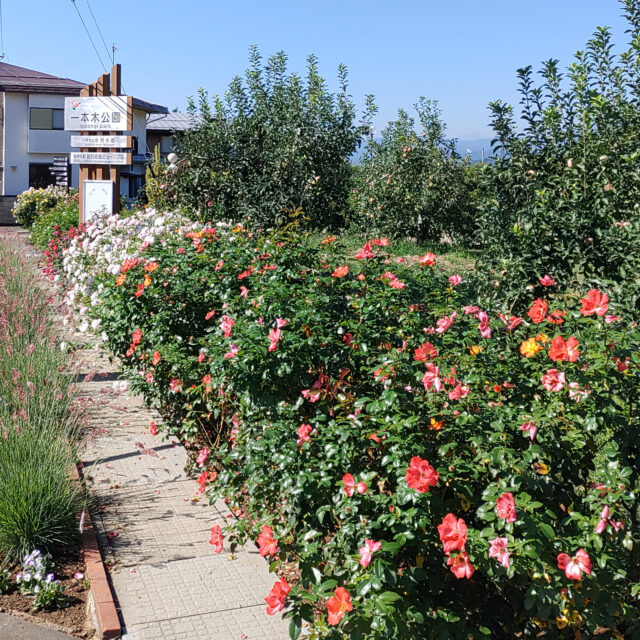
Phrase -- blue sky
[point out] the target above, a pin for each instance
(463, 53)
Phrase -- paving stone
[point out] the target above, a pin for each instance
(169, 582)
(236, 624)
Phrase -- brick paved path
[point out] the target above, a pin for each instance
(168, 580)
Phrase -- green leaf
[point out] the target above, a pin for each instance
(295, 628)
(390, 596)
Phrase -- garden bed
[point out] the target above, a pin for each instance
(74, 618)
(380, 429)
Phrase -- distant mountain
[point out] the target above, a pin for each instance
(476, 149)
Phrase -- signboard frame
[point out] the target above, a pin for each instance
(107, 85)
(98, 113)
(96, 196)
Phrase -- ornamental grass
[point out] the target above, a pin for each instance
(39, 501)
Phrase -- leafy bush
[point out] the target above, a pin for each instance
(435, 470)
(275, 144)
(39, 501)
(563, 199)
(55, 222)
(414, 184)
(31, 203)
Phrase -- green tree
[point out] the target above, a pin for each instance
(563, 196)
(414, 184)
(274, 144)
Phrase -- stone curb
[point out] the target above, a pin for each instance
(107, 620)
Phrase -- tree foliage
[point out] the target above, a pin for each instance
(412, 183)
(275, 143)
(563, 197)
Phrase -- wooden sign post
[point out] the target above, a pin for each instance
(105, 115)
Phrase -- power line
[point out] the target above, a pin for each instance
(2, 54)
(99, 31)
(88, 34)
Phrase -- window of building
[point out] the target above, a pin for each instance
(47, 119)
(135, 185)
(40, 175)
(166, 144)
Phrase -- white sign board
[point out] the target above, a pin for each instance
(88, 142)
(109, 113)
(98, 198)
(92, 157)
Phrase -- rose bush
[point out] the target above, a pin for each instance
(34, 202)
(435, 469)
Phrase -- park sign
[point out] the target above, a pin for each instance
(101, 157)
(98, 113)
(102, 141)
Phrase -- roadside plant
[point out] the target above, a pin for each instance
(436, 469)
(39, 501)
(33, 202)
(55, 222)
(5, 580)
(36, 568)
(38, 580)
(562, 198)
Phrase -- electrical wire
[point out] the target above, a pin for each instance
(99, 31)
(2, 54)
(113, 49)
(89, 34)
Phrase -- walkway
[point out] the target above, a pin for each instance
(14, 628)
(169, 582)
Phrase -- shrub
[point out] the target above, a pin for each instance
(31, 203)
(55, 222)
(275, 144)
(434, 469)
(40, 502)
(414, 184)
(563, 199)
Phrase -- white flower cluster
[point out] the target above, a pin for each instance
(105, 245)
(35, 572)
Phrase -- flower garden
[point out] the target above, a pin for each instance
(417, 451)
(419, 458)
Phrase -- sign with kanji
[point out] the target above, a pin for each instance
(91, 113)
(104, 158)
(86, 142)
(60, 171)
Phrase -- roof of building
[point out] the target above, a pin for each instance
(15, 79)
(174, 121)
(19, 79)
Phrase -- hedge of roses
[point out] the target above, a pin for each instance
(435, 470)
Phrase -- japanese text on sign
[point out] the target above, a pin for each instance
(111, 113)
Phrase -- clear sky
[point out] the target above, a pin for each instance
(463, 53)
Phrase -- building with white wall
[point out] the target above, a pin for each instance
(32, 133)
